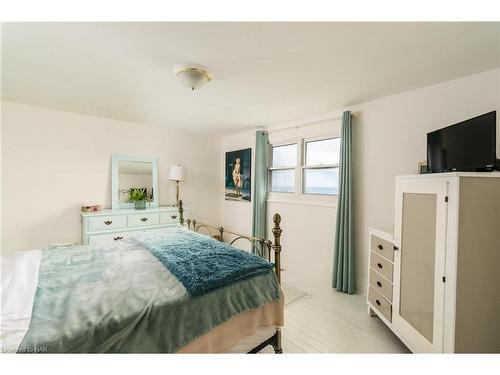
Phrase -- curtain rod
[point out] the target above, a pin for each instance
(353, 114)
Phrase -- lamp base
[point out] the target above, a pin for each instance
(177, 194)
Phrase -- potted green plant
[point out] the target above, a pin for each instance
(139, 197)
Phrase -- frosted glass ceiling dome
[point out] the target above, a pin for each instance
(193, 76)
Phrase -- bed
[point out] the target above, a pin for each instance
(175, 291)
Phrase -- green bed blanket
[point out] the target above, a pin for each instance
(121, 299)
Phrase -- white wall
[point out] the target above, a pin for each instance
(1, 122)
(53, 161)
(390, 140)
(307, 238)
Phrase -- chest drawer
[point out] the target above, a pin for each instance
(169, 217)
(381, 265)
(143, 220)
(382, 247)
(380, 303)
(107, 223)
(381, 285)
(110, 237)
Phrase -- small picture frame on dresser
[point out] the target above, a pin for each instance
(422, 167)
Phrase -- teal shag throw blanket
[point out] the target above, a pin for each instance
(202, 263)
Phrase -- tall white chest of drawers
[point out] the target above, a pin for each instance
(435, 281)
(119, 224)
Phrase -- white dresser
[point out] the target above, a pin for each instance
(435, 283)
(381, 273)
(116, 225)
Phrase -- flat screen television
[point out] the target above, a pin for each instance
(469, 145)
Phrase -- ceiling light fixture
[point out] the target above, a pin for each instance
(193, 76)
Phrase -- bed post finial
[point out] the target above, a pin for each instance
(181, 213)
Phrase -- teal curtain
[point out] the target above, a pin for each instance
(260, 186)
(343, 266)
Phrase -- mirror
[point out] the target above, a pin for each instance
(133, 173)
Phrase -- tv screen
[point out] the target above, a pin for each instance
(469, 145)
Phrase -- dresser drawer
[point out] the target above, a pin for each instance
(143, 220)
(169, 217)
(382, 247)
(109, 237)
(381, 285)
(380, 303)
(381, 265)
(106, 223)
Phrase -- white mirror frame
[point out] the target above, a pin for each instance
(115, 202)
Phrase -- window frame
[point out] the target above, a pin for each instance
(304, 166)
(298, 196)
(271, 168)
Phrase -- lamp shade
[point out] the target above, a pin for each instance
(178, 173)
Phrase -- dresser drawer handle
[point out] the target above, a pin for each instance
(108, 222)
(379, 284)
(118, 238)
(396, 248)
(377, 302)
(380, 247)
(379, 265)
(144, 219)
(174, 216)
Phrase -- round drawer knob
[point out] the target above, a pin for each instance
(378, 302)
(380, 247)
(379, 265)
(379, 284)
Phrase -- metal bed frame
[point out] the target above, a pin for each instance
(262, 247)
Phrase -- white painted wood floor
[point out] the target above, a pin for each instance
(326, 321)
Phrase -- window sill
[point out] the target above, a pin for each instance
(331, 202)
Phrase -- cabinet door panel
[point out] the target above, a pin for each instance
(418, 255)
(419, 265)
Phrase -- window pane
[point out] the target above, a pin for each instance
(285, 156)
(321, 181)
(283, 180)
(323, 152)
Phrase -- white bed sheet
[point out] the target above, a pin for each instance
(19, 279)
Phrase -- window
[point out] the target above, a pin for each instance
(320, 172)
(284, 163)
(316, 173)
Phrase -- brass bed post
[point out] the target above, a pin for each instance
(277, 245)
(277, 264)
(181, 213)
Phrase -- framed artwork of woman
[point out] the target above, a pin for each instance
(238, 181)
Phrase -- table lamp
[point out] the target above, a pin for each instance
(177, 174)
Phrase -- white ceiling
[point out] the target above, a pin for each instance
(264, 73)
